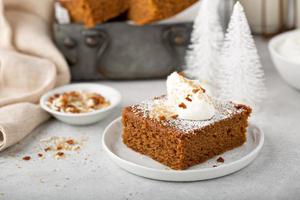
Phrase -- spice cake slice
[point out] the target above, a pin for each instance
(147, 11)
(92, 12)
(180, 143)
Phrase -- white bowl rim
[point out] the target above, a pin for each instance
(275, 40)
(255, 151)
(50, 92)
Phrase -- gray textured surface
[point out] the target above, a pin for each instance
(274, 174)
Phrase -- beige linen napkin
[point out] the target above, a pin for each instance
(30, 64)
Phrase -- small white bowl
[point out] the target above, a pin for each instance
(112, 95)
(288, 69)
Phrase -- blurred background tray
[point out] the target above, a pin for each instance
(118, 50)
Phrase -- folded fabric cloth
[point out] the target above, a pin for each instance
(30, 65)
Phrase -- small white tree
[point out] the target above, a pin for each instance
(240, 76)
(206, 40)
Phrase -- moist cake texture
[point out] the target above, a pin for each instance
(92, 12)
(180, 143)
(147, 11)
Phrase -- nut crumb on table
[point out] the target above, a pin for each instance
(26, 158)
(70, 141)
(47, 149)
(57, 146)
(61, 154)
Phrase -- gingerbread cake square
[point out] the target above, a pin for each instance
(180, 143)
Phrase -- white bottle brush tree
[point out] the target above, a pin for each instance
(206, 40)
(240, 76)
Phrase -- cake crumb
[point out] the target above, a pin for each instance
(220, 159)
(26, 158)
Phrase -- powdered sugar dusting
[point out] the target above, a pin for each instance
(223, 111)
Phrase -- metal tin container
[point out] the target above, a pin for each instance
(118, 50)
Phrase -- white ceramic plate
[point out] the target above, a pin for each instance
(144, 166)
(111, 94)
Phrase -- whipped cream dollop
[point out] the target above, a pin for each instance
(188, 99)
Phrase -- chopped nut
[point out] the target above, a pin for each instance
(61, 154)
(188, 98)
(91, 103)
(239, 106)
(74, 94)
(76, 148)
(182, 105)
(40, 155)
(195, 90)
(77, 102)
(50, 100)
(47, 149)
(70, 141)
(98, 99)
(26, 158)
(181, 73)
(162, 117)
(61, 103)
(72, 109)
(220, 159)
(174, 116)
(58, 147)
(198, 89)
